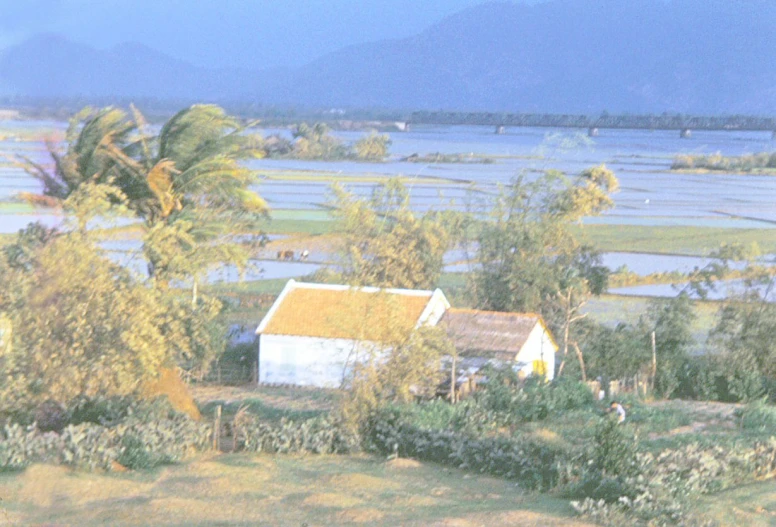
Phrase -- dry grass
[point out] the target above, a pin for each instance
(273, 490)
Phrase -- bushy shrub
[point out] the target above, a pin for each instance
(138, 442)
(758, 416)
(317, 436)
(106, 411)
(535, 464)
(662, 484)
(51, 416)
(510, 402)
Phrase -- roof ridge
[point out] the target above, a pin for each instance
(489, 312)
(363, 289)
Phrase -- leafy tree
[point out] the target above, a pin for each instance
(372, 147)
(385, 243)
(671, 322)
(92, 330)
(530, 261)
(185, 183)
(744, 338)
(611, 353)
(315, 142)
(93, 138)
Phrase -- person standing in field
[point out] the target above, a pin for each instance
(617, 408)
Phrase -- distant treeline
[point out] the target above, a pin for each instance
(157, 109)
(718, 162)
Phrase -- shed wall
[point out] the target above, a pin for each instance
(303, 361)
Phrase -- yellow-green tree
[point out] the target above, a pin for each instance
(81, 325)
(188, 178)
(384, 243)
(529, 258)
(372, 147)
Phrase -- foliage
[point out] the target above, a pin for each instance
(663, 484)
(718, 162)
(145, 435)
(758, 415)
(612, 353)
(744, 338)
(507, 402)
(372, 147)
(92, 330)
(319, 435)
(315, 142)
(404, 365)
(671, 322)
(534, 464)
(530, 260)
(385, 244)
(614, 453)
(185, 183)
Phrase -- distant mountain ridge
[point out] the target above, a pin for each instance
(565, 56)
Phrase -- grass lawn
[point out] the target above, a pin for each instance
(275, 490)
(751, 505)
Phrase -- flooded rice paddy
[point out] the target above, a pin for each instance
(650, 194)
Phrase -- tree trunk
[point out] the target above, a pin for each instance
(654, 362)
(581, 362)
(452, 382)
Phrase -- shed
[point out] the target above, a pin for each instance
(521, 339)
(313, 332)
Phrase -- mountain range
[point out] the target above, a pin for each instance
(564, 56)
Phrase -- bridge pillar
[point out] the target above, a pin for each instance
(592, 132)
(500, 129)
(685, 133)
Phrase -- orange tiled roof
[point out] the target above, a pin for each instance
(346, 313)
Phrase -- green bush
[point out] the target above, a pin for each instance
(758, 416)
(318, 435)
(535, 464)
(106, 411)
(138, 443)
(508, 402)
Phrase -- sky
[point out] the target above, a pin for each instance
(226, 33)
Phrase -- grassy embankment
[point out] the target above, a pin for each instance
(762, 163)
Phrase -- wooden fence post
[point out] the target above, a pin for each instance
(654, 362)
(217, 429)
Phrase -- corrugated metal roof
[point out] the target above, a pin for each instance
(489, 333)
(317, 310)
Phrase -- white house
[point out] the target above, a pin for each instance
(311, 333)
(520, 339)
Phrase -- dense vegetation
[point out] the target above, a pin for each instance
(81, 350)
(720, 163)
(316, 143)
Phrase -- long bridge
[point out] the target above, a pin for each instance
(685, 124)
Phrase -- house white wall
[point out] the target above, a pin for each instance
(305, 361)
(538, 346)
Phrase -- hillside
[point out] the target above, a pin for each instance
(693, 56)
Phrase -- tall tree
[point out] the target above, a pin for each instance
(186, 183)
(529, 258)
(670, 321)
(385, 243)
(744, 337)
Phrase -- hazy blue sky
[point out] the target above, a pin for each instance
(207, 32)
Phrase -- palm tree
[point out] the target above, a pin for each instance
(186, 183)
(93, 138)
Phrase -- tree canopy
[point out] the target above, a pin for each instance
(385, 243)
